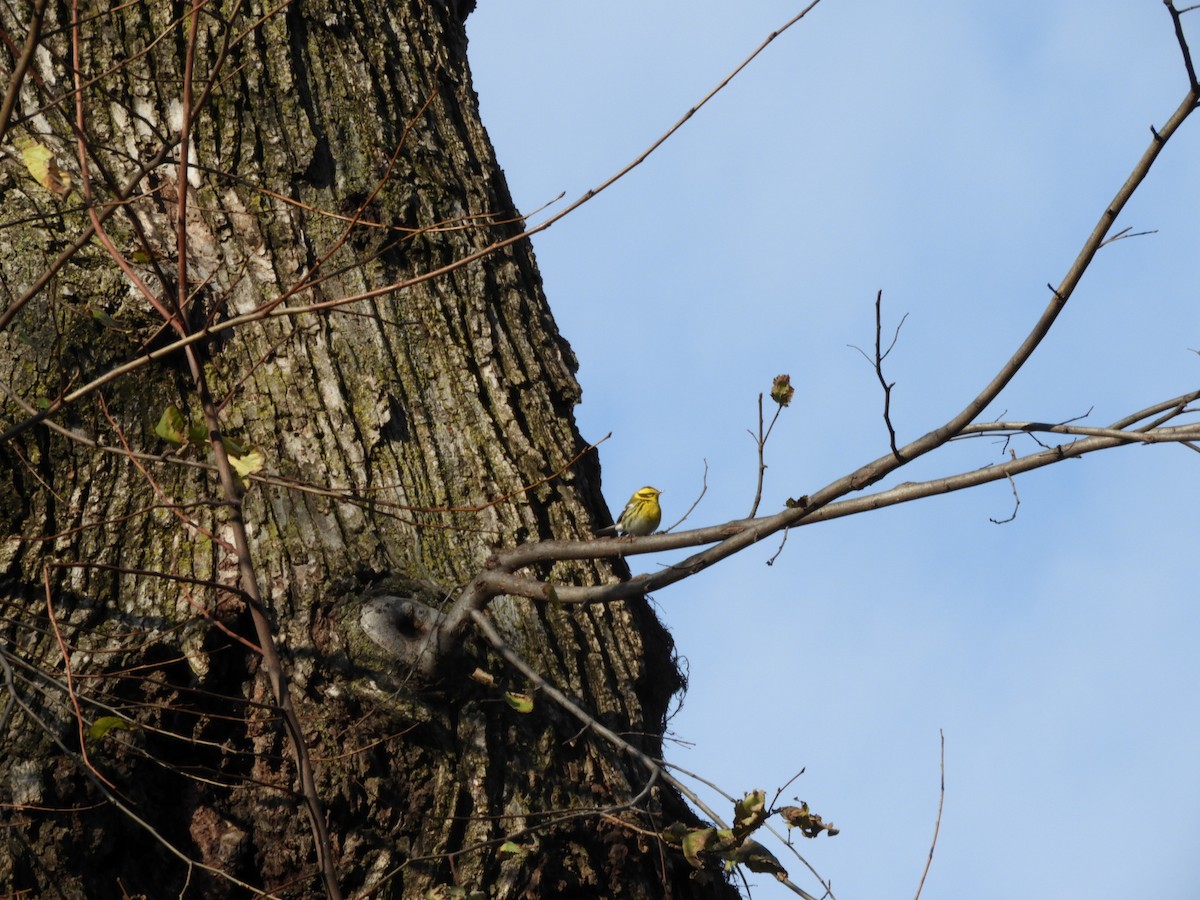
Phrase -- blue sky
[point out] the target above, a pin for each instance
(953, 155)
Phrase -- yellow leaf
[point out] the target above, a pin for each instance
(39, 160)
(484, 677)
(247, 464)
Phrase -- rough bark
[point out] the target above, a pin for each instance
(339, 150)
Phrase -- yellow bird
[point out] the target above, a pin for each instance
(640, 516)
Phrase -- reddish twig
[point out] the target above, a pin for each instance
(66, 655)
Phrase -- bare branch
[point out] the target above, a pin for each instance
(879, 358)
(877, 364)
(731, 537)
(1183, 45)
(995, 428)
(33, 34)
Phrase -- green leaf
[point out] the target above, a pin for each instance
(674, 833)
(513, 849)
(105, 724)
(103, 318)
(522, 703)
(172, 427)
(696, 842)
(757, 858)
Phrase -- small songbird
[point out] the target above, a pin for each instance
(640, 516)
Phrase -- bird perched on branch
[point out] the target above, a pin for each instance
(640, 516)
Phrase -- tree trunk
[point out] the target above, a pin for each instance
(335, 149)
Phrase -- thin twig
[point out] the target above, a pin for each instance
(761, 441)
(783, 536)
(877, 364)
(66, 655)
(1016, 498)
(695, 503)
(1126, 233)
(1008, 429)
(880, 356)
(762, 467)
(786, 785)
(937, 825)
